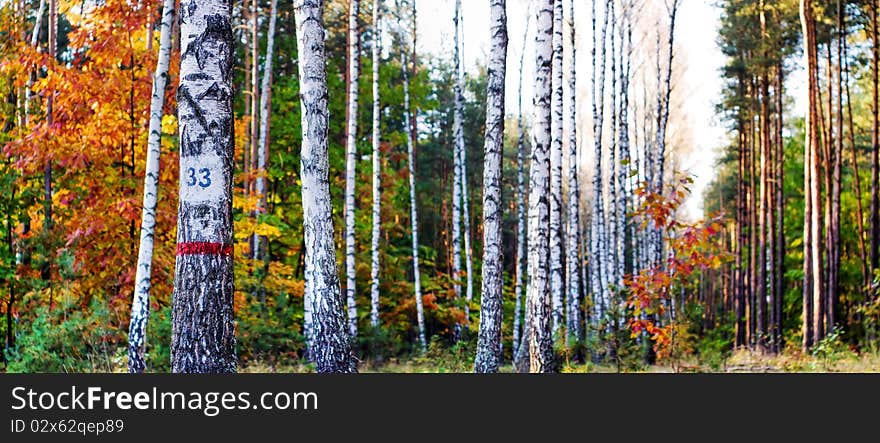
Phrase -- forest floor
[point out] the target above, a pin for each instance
(739, 362)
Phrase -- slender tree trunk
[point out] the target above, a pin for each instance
(624, 165)
(35, 38)
(489, 341)
(521, 238)
(463, 181)
(780, 213)
(857, 181)
(203, 330)
(377, 171)
(763, 203)
(837, 159)
(48, 222)
(557, 271)
(812, 274)
(331, 349)
(613, 235)
(572, 260)
(875, 152)
(597, 221)
(540, 334)
(456, 181)
(351, 165)
(254, 128)
(140, 305)
(263, 141)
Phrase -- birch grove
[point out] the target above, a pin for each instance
(140, 305)
(489, 340)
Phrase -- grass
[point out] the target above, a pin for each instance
(792, 361)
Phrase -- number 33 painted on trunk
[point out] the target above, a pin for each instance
(204, 179)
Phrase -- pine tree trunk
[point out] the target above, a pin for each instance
(763, 202)
(263, 141)
(572, 260)
(351, 165)
(540, 334)
(140, 305)
(48, 222)
(331, 349)
(203, 332)
(857, 181)
(875, 141)
(780, 213)
(377, 171)
(812, 265)
(488, 357)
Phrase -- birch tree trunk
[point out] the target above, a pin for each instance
(463, 181)
(331, 349)
(540, 334)
(623, 201)
(456, 180)
(203, 335)
(572, 261)
(140, 305)
(521, 238)
(350, 166)
(35, 38)
(489, 341)
(557, 271)
(265, 109)
(377, 171)
(597, 220)
(614, 277)
(414, 214)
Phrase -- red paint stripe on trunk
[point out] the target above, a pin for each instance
(203, 248)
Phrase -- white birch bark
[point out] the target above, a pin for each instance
(203, 330)
(350, 166)
(488, 357)
(598, 275)
(140, 305)
(35, 38)
(624, 168)
(263, 142)
(414, 214)
(456, 180)
(557, 271)
(377, 171)
(540, 334)
(614, 277)
(521, 237)
(572, 312)
(331, 348)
